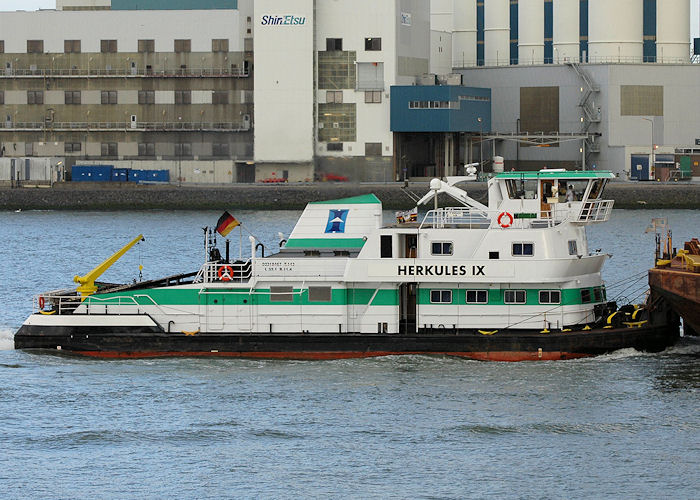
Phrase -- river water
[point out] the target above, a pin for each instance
(624, 425)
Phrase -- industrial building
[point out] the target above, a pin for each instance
(225, 91)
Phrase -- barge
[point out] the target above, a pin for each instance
(512, 280)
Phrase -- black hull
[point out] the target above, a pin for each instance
(502, 346)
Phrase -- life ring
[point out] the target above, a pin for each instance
(41, 302)
(225, 273)
(500, 219)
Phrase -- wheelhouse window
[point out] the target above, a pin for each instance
(515, 297)
(319, 294)
(585, 295)
(523, 249)
(573, 249)
(477, 296)
(550, 297)
(441, 296)
(597, 294)
(281, 294)
(441, 248)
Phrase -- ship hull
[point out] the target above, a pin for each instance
(681, 291)
(144, 342)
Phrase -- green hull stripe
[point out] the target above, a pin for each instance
(339, 297)
(325, 243)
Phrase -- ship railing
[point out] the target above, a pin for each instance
(222, 272)
(468, 218)
(595, 211)
(56, 303)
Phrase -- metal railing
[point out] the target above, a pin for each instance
(122, 72)
(216, 272)
(126, 126)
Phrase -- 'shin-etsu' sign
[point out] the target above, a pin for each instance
(286, 20)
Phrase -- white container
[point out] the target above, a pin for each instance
(498, 164)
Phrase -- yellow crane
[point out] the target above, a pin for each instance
(87, 283)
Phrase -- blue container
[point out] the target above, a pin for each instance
(149, 176)
(120, 175)
(92, 173)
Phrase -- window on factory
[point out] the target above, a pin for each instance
(220, 149)
(72, 97)
(35, 46)
(35, 97)
(183, 45)
(373, 44)
(147, 149)
(2, 46)
(71, 46)
(147, 46)
(28, 149)
(334, 146)
(432, 105)
(147, 97)
(183, 97)
(333, 44)
(219, 45)
(108, 46)
(72, 147)
(184, 149)
(2, 97)
(334, 96)
(108, 149)
(109, 97)
(373, 96)
(219, 97)
(373, 149)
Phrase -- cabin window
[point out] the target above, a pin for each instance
(573, 250)
(523, 249)
(585, 295)
(493, 256)
(597, 294)
(515, 297)
(550, 297)
(477, 297)
(441, 248)
(281, 294)
(597, 189)
(319, 294)
(385, 246)
(441, 296)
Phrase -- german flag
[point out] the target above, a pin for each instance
(226, 223)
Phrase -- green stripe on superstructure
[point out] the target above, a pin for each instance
(569, 297)
(325, 243)
(353, 200)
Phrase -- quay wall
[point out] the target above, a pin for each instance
(111, 196)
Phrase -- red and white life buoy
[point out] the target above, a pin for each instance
(503, 215)
(225, 273)
(41, 302)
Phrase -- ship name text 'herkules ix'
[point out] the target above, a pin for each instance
(513, 280)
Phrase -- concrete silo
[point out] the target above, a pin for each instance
(464, 34)
(615, 31)
(497, 32)
(531, 32)
(673, 31)
(565, 40)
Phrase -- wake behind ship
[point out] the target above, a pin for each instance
(512, 280)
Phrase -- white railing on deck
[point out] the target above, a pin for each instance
(215, 272)
(595, 211)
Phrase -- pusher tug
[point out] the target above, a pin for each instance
(510, 281)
